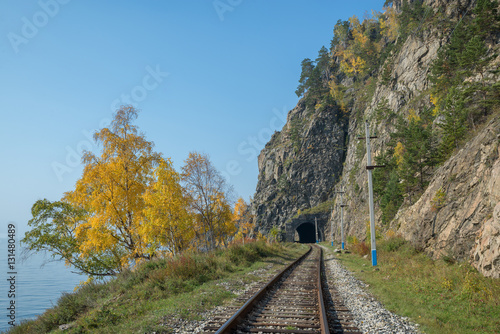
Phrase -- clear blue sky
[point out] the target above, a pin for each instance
(214, 80)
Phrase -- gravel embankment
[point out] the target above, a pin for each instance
(369, 315)
(182, 326)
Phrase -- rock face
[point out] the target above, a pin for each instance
(486, 252)
(318, 149)
(299, 165)
(467, 224)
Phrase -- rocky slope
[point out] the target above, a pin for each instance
(318, 149)
(466, 225)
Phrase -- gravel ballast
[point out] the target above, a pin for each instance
(369, 314)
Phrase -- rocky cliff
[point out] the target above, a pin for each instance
(300, 165)
(318, 149)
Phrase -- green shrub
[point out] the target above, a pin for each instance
(392, 244)
(351, 240)
(69, 306)
(100, 317)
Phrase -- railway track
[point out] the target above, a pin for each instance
(292, 302)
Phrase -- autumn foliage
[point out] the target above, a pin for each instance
(243, 221)
(130, 205)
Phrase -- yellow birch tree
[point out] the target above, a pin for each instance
(168, 222)
(389, 24)
(242, 220)
(111, 191)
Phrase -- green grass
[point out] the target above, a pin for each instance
(323, 207)
(442, 296)
(144, 300)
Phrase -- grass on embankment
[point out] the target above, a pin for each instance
(442, 296)
(140, 301)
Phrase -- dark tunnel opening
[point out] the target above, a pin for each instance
(307, 233)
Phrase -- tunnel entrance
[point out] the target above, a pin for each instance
(307, 233)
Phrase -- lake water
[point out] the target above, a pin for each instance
(37, 288)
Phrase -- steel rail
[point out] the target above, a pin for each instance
(230, 325)
(322, 309)
(236, 319)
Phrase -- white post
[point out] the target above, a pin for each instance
(369, 168)
(316, 225)
(331, 222)
(342, 217)
(341, 192)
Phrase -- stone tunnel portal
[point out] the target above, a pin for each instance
(306, 233)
